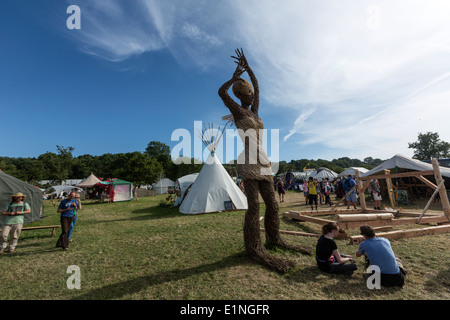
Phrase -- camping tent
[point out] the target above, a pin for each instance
(213, 191)
(162, 186)
(118, 190)
(10, 185)
(402, 163)
(89, 182)
(59, 190)
(182, 185)
(321, 173)
(351, 171)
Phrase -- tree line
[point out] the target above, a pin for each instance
(148, 166)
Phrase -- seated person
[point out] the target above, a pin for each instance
(378, 252)
(328, 258)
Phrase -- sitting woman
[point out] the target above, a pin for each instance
(328, 258)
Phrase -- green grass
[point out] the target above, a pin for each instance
(135, 251)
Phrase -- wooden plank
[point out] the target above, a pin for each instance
(359, 186)
(364, 217)
(442, 192)
(297, 216)
(400, 175)
(393, 222)
(427, 182)
(329, 212)
(401, 234)
(431, 199)
(390, 189)
(297, 233)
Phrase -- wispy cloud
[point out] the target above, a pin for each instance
(364, 70)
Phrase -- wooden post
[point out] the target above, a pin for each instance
(389, 187)
(438, 188)
(359, 188)
(442, 191)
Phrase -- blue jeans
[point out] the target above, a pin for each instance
(69, 235)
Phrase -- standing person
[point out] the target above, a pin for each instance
(305, 191)
(77, 201)
(328, 257)
(135, 194)
(281, 192)
(327, 191)
(378, 252)
(374, 188)
(348, 184)
(13, 221)
(66, 208)
(312, 193)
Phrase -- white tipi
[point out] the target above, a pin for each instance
(213, 189)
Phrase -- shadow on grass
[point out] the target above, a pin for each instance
(353, 287)
(120, 289)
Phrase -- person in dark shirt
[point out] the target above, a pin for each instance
(328, 257)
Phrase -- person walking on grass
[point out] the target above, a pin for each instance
(305, 191)
(67, 209)
(328, 257)
(77, 201)
(13, 221)
(281, 192)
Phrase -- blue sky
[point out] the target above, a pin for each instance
(350, 78)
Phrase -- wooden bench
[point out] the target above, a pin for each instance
(42, 227)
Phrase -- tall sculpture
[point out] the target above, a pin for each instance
(255, 169)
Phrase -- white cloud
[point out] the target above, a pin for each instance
(363, 68)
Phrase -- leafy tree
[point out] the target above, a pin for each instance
(429, 145)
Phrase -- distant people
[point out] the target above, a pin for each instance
(77, 201)
(327, 192)
(348, 184)
(374, 188)
(339, 189)
(281, 192)
(66, 208)
(322, 191)
(378, 252)
(305, 191)
(328, 257)
(13, 221)
(312, 193)
(318, 190)
(135, 193)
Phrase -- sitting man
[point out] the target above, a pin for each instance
(379, 253)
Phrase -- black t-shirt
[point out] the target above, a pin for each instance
(324, 250)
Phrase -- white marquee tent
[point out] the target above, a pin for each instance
(162, 186)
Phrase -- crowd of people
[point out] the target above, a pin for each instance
(318, 192)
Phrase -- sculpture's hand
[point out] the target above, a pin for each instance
(241, 59)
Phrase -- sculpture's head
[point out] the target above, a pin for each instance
(243, 90)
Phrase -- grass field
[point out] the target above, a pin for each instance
(141, 250)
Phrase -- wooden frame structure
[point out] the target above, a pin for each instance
(350, 219)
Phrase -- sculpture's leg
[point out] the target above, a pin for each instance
(252, 232)
(272, 219)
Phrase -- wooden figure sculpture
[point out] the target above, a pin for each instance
(255, 169)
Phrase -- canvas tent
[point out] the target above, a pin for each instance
(60, 190)
(351, 171)
(10, 185)
(213, 190)
(117, 189)
(182, 185)
(321, 173)
(162, 186)
(402, 163)
(89, 182)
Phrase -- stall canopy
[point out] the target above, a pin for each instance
(89, 182)
(60, 190)
(118, 189)
(322, 173)
(10, 185)
(351, 171)
(162, 186)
